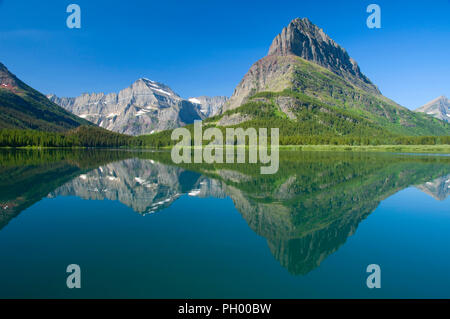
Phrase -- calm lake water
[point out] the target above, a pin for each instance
(141, 227)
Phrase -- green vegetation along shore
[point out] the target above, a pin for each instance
(89, 136)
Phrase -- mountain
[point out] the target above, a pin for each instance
(439, 108)
(22, 107)
(210, 106)
(309, 85)
(438, 189)
(305, 212)
(143, 108)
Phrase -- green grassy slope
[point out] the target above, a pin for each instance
(320, 83)
(305, 116)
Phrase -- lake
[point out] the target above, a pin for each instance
(141, 227)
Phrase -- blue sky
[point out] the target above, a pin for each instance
(205, 47)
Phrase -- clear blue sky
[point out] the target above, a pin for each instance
(205, 47)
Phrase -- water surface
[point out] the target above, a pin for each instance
(141, 227)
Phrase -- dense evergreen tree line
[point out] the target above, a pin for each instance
(95, 137)
(365, 140)
(165, 141)
(84, 136)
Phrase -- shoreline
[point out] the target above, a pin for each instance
(431, 149)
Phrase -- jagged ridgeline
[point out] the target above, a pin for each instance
(306, 211)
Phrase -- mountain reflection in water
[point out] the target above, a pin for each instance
(305, 212)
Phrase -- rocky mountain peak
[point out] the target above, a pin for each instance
(439, 108)
(155, 87)
(304, 39)
(442, 98)
(300, 39)
(297, 37)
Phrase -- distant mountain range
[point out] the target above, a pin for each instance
(309, 85)
(145, 107)
(439, 108)
(23, 107)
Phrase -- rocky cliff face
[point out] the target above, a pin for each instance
(439, 108)
(304, 39)
(143, 108)
(209, 106)
(300, 39)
